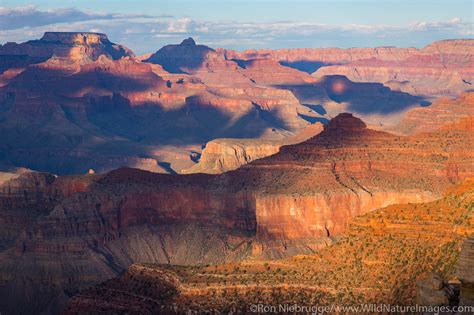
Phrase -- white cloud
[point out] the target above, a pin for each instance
(179, 26)
(455, 23)
(148, 33)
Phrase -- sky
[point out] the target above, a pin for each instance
(145, 26)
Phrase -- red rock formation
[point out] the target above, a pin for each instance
(222, 155)
(442, 112)
(271, 207)
(400, 244)
(74, 104)
(441, 68)
(79, 47)
(89, 110)
(466, 265)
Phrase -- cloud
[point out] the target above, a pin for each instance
(144, 34)
(29, 16)
(179, 26)
(454, 23)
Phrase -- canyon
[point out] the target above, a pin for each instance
(388, 255)
(441, 68)
(145, 184)
(64, 99)
(91, 227)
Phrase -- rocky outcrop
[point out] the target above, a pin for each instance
(465, 274)
(442, 112)
(441, 68)
(433, 291)
(222, 155)
(276, 206)
(381, 259)
(184, 57)
(78, 105)
(75, 46)
(95, 106)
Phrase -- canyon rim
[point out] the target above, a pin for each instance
(232, 158)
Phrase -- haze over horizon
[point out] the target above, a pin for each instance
(245, 24)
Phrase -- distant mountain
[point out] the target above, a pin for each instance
(441, 68)
(71, 102)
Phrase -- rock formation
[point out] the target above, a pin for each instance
(222, 155)
(433, 291)
(80, 47)
(74, 101)
(183, 57)
(81, 97)
(465, 274)
(441, 68)
(273, 207)
(379, 259)
(442, 112)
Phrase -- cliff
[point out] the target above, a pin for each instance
(281, 205)
(380, 259)
(75, 46)
(76, 101)
(441, 68)
(466, 265)
(222, 155)
(442, 112)
(91, 108)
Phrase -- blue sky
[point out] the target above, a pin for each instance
(145, 26)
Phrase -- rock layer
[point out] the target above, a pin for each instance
(222, 155)
(79, 47)
(441, 68)
(273, 207)
(385, 257)
(465, 274)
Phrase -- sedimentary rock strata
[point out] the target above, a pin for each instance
(277, 206)
(74, 101)
(441, 68)
(466, 265)
(394, 255)
(443, 112)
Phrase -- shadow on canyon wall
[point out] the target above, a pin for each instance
(66, 123)
(308, 66)
(361, 98)
(178, 58)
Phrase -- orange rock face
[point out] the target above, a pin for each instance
(79, 47)
(400, 244)
(89, 94)
(275, 206)
(443, 112)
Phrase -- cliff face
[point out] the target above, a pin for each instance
(181, 58)
(79, 87)
(79, 47)
(273, 207)
(466, 265)
(222, 155)
(441, 68)
(443, 111)
(380, 258)
(80, 92)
